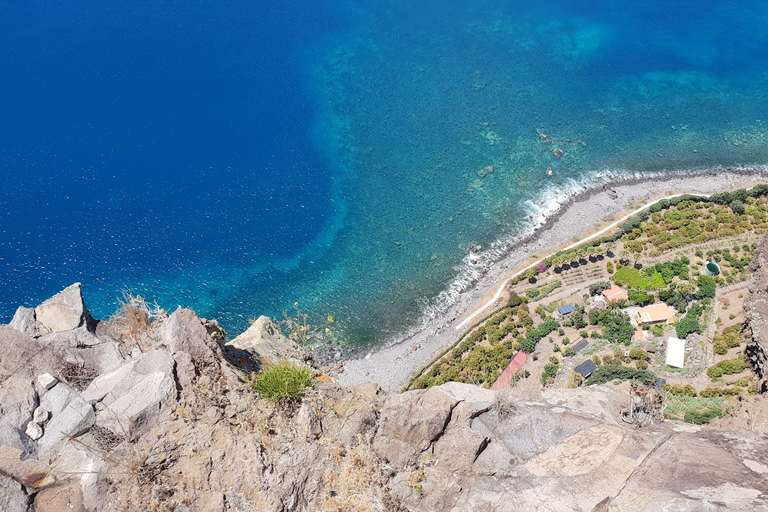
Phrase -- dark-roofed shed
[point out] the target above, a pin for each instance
(581, 345)
(586, 368)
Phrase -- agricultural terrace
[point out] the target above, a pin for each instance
(657, 256)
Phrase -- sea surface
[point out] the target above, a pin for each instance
(353, 157)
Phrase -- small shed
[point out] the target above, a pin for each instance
(586, 368)
(567, 309)
(580, 345)
(676, 352)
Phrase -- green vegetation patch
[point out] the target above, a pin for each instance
(727, 367)
(528, 345)
(611, 372)
(471, 360)
(283, 383)
(615, 324)
(694, 409)
(543, 292)
(730, 338)
(550, 371)
(690, 322)
(647, 279)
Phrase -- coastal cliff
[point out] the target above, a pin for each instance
(756, 317)
(141, 413)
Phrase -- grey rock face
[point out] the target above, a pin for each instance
(12, 496)
(18, 400)
(24, 320)
(756, 316)
(184, 332)
(410, 422)
(70, 415)
(132, 394)
(64, 311)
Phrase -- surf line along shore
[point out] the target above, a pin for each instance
(500, 289)
(392, 364)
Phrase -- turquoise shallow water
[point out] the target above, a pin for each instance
(433, 126)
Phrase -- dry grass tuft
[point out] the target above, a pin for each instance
(77, 375)
(133, 319)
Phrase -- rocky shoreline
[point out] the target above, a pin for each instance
(396, 360)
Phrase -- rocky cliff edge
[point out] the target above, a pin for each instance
(107, 416)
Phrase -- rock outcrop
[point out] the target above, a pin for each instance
(172, 426)
(756, 316)
(263, 343)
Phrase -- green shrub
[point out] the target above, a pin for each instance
(641, 298)
(528, 345)
(678, 390)
(641, 365)
(720, 347)
(549, 373)
(706, 287)
(727, 367)
(283, 383)
(600, 286)
(569, 352)
(715, 391)
(690, 322)
(638, 354)
(616, 325)
(613, 372)
(702, 417)
(648, 279)
(514, 299)
(730, 338)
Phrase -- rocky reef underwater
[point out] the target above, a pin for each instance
(157, 412)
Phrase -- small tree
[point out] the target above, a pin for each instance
(737, 207)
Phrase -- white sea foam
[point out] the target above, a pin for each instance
(540, 211)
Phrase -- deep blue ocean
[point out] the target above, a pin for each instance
(238, 157)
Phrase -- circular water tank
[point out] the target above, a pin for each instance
(713, 268)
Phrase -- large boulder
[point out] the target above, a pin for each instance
(12, 495)
(135, 392)
(64, 311)
(82, 349)
(24, 320)
(183, 331)
(410, 423)
(261, 344)
(70, 415)
(18, 400)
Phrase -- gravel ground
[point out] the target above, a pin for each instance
(395, 360)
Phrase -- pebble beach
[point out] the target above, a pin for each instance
(394, 362)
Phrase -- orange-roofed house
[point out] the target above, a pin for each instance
(615, 294)
(655, 314)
